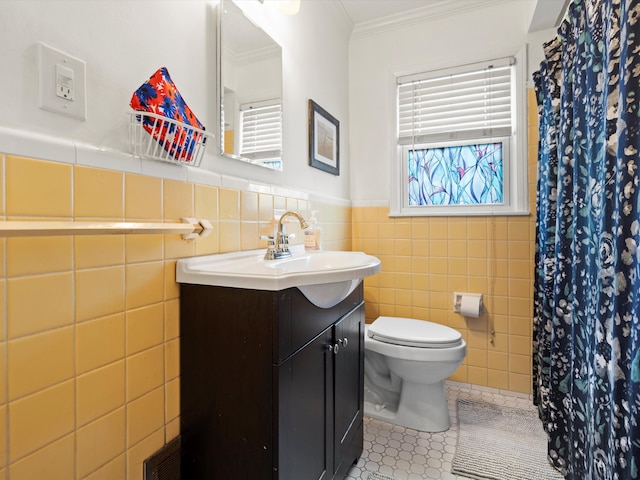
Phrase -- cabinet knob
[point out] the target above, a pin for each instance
(333, 348)
(343, 341)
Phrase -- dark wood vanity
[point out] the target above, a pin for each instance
(271, 386)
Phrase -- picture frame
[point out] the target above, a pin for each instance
(324, 139)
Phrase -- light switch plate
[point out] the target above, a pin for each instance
(58, 70)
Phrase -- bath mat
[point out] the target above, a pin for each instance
(501, 443)
(378, 476)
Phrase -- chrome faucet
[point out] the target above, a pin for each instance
(278, 247)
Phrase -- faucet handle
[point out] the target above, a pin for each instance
(271, 239)
(270, 254)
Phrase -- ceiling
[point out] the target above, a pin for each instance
(361, 11)
(546, 15)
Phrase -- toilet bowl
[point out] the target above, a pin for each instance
(406, 363)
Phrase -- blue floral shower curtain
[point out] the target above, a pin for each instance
(586, 360)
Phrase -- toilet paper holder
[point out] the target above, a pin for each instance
(457, 300)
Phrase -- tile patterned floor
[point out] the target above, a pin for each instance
(401, 453)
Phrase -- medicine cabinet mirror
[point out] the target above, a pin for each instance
(249, 89)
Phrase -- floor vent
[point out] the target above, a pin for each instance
(165, 463)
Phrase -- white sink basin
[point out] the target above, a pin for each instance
(325, 277)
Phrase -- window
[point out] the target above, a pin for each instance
(261, 132)
(459, 142)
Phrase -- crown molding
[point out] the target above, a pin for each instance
(434, 11)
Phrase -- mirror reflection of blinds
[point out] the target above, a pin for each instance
(261, 130)
(473, 103)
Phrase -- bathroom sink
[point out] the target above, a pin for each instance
(324, 277)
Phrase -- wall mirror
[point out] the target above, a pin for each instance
(249, 90)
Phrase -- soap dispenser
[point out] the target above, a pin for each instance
(312, 234)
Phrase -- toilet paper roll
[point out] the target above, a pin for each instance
(471, 305)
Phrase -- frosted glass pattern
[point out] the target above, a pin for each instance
(456, 175)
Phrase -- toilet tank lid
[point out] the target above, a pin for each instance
(412, 332)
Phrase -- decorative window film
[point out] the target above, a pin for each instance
(456, 175)
(457, 137)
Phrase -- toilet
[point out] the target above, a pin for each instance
(406, 363)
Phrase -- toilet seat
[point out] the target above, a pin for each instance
(413, 333)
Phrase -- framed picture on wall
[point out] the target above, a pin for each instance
(324, 139)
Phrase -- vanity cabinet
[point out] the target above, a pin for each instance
(271, 386)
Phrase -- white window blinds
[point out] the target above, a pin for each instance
(471, 102)
(261, 130)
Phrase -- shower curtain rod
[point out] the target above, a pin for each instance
(190, 228)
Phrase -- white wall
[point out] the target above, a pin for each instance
(485, 31)
(124, 41)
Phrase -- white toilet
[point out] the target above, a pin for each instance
(406, 363)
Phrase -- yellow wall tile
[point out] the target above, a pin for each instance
(38, 188)
(39, 303)
(143, 248)
(477, 357)
(498, 361)
(53, 462)
(144, 284)
(176, 247)
(145, 371)
(171, 319)
(520, 306)
(279, 203)
(457, 249)
(172, 429)
(99, 292)
(177, 200)
(520, 344)
(520, 363)
(477, 375)
(145, 415)
(249, 236)
(248, 206)
(265, 206)
(210, 244)
(229, 204)
(171, 287)
(38, 419)
(34, 255)
(477, 248)
(99, 392)
(477, 228)
(97, 193)
(419, 229)
(100, 342)
(100, 441)
(172, 359)
(457, 230)
(3, 437)
(115, 469)
(137, 454)
(438, 229)
(39, 361)
(91, 251)
(145, 327)
(206, 202)
(439, 248)
(3, 380)
(143, 197)
(520, 383)
(521, 325)
(229, 236)
(172, 399)
(498, 379)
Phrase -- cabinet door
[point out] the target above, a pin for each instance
(305, 412)
(348, 390)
